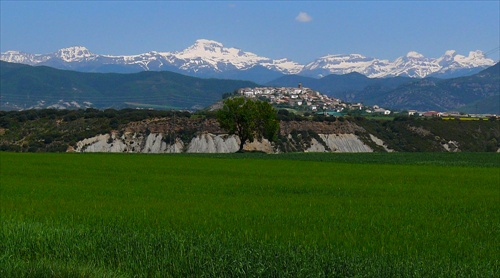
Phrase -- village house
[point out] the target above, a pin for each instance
(381, 111)
(412, 112)
(357, 106)
(431, 114)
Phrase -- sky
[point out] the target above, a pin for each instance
(298, 30)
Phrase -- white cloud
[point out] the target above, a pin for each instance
(303, 17)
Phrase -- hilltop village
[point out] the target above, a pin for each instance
(306, 99)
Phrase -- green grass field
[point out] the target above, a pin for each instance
(290, 215)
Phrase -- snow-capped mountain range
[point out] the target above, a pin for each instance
(207, 58)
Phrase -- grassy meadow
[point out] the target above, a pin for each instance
(290, 215)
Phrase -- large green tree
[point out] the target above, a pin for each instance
(248, 119)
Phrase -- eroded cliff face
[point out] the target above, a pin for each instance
(158, 143)
(344, 143)
(211, 143)
(205, 136)
(338, 143)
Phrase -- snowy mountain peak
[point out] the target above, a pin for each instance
(209, 43)
(476, 54)
(450, 53)
(449, 57)
(337, 57)
(476, 58)
(13, 52)
(74, 53)
(212, 54)
(15, 56)
(211, 58)
(414, 55)
(203, 48)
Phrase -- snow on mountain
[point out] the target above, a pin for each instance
(211, 54)
(454, 65)
(70, 54)
(413, 64)
(152, 60)
(475, 59)
(212, 58)
(75, 54)
(284, 66)
(23, 58)
(414, 55)
(342, 64)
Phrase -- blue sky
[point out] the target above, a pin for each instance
(298, 30)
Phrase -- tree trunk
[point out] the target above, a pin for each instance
(242, 143)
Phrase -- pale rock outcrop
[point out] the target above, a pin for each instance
(133, 142)
(316, 147)
(261, 146)
(210, 143)
(129, 142)
(451, 146)
(177, 147)
(380, 143)
(117, 147)
(83, 144)
(344, 143)
(101, 143)
(154, 144)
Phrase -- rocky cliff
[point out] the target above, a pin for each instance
(157, 143)
(211, 143)
(203, 135)
(168, 135)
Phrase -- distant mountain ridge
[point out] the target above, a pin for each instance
(26, 87)
(208, 58)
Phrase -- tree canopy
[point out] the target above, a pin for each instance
(248, 119)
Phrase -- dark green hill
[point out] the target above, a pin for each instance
(26, 86)
(476, 93)
(292, 80)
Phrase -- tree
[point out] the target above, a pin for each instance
(248, 119)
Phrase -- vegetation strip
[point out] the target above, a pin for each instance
(52, 130)
(161, 215)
